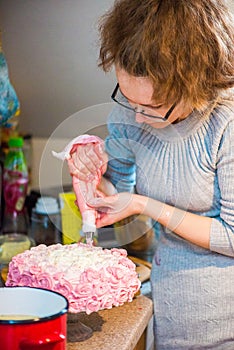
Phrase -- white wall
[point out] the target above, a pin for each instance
(51, 49)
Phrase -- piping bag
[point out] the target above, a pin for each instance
(83, 189)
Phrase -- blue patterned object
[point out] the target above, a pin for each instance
(9, 103)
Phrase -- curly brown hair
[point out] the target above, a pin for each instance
(186, 47)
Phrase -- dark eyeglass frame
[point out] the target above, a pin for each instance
(165, 118)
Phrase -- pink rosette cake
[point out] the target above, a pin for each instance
(92, 278)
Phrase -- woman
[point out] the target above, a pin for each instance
(170, 154)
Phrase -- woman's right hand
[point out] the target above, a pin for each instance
(87, 161)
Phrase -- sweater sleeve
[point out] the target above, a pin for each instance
(121, 164)
(222, 228)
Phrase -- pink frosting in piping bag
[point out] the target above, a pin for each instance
(83, 189)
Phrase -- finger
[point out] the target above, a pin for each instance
(71, 167)
(89, 158)
(83, 162)
(103, 219)
(102, 155)
(105, 202)
(99, 193)
(74, 171)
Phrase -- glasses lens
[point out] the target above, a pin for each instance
(146, 111)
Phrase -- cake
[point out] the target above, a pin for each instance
(91, 278)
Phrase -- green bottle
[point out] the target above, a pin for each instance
(15, 184)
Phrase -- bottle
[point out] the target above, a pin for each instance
(15, 183)
(46, 221)
(8, 131)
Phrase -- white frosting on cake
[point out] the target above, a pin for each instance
(90, 277)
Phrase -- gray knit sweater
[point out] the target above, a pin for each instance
(189, 165)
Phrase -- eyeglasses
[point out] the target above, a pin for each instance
(118, 97)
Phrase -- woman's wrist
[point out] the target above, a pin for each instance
(148, 206)
(140, 204)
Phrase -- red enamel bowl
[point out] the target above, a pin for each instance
(32, 319)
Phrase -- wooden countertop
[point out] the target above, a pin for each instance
(117, 328)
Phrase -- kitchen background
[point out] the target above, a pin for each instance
(51, 48)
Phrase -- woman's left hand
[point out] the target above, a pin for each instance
(114, 208)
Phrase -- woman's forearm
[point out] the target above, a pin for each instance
(192, 227)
